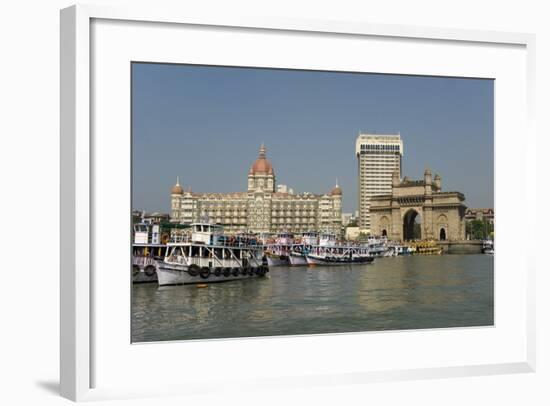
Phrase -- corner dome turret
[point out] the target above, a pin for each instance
(177, 189)
(336, 190)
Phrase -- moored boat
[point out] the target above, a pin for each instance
(425, 247)
(301, 247)
(314, 259)
(396, 249)
(488, 247)
(277, 252)
(377, 246)
(277, 259)
(148, 248)
(330, 252)
(207, 255)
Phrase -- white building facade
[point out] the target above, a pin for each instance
(379, 156)
(261, 209)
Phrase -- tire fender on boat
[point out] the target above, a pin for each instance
(193, 270)
(205, 272)
(150, 270)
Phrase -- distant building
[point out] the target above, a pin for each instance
(352, 233)
(285, 189)
(155, 217)
(487, 215)
(261, 209)
(378, 158)
(348, 218)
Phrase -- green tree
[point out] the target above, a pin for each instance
(479, 229)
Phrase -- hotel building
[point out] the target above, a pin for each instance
(261, 209)
(378, 158)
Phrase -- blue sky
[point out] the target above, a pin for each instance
(205, 125)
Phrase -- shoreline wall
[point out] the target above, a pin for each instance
(461, 247)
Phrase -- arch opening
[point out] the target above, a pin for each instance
(412, 225)
(442, 234)
(384, 233)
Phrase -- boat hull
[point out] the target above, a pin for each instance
(170, 274)
(297, 259)
(143, 276)
(144, 271)
(277, 260)
(325, 261)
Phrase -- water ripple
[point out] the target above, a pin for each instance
(392, 293)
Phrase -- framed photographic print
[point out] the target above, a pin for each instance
(292, 201)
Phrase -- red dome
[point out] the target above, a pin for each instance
(177, 189)
(261, 165)
(336, 190)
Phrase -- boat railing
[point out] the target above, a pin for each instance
(238, 242)
(179, 259)
(143, 261)
(180, 238)
(225, 241)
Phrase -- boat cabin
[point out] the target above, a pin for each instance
(327, 239)
(309, 238)
(147, 233)
(284, 238)
(206, 233)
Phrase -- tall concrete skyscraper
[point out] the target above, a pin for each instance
(378, 158)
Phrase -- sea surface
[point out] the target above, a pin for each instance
(411, 292)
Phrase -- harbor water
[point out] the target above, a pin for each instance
(396, 293)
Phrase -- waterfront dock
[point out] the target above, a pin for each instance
(461, 247)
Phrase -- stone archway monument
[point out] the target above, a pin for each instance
(418, 209)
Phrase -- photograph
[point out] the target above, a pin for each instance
(281, 202)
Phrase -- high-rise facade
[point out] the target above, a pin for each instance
(378, 158)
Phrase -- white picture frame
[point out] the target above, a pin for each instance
(77, 282)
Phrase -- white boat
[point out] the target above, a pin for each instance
(207, 255)
(313, 259)
(278, 251)
(297, 259)
(488, 247)
(299, 250)
(274, 259)
(396, 249)
(330, 252)
(148, 248)
(377, 246)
